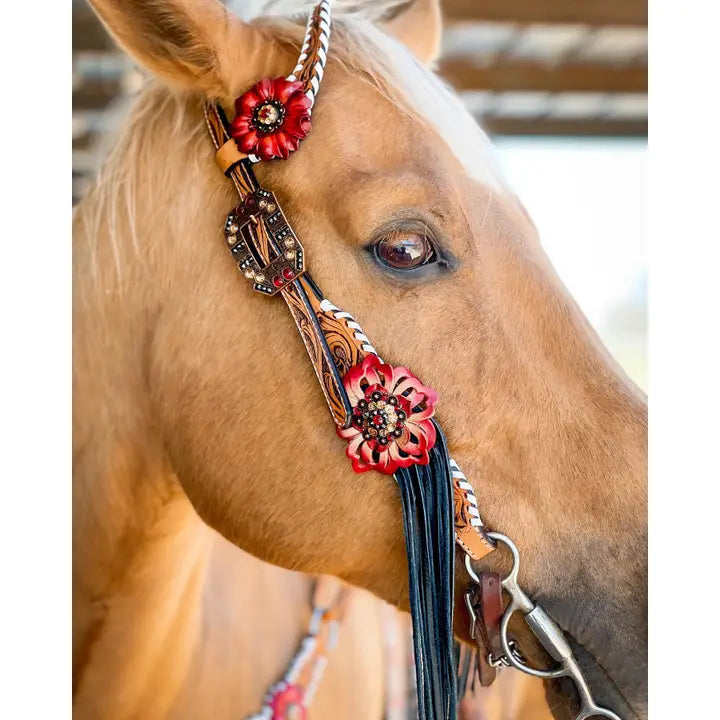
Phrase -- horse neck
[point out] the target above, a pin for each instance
(167, 614)
(140, 552)
(169, 618)
(157, 593)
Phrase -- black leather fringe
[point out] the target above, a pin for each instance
(428, 518)
(465, 662)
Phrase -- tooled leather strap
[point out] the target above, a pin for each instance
(326, 340)
(333, 339)
(469, 530)
(313, 54)
(273, 259)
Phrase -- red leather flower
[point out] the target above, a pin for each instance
(391, 426)
(271, 119)
(288, 703)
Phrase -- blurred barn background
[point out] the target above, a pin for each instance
(561, 85)
(568, 68)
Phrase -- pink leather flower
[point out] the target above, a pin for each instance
(391, 426)
(271, 119)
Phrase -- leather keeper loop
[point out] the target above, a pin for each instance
(228, 156)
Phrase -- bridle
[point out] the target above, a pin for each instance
(384, 412)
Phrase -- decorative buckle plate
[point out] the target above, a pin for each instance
(257, 229)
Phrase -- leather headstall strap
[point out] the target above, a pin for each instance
(487, 611)
(384, 412)
(262, 240)
(272, 257)
(292, 695)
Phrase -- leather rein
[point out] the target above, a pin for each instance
(384, 412)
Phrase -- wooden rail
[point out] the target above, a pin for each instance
(589, 12)
(520, 75)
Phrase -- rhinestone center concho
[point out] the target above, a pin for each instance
(380, 416)
(269, 116)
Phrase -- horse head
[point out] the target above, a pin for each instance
(407, 224)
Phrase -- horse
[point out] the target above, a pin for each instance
(195, 417)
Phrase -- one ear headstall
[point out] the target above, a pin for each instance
(385, 413)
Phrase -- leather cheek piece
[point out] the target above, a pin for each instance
(487, 602)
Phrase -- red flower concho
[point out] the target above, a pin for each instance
(288, 703)
(271, 119)
(391, 426)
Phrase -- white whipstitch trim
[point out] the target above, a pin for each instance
(322, 661)
(303, 51)
(323, 40)
(315, 621)
(328, 307)
(464, 485)
(318, 69)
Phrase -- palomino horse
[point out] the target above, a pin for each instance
(191, 403)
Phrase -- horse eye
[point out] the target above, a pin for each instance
(404, 250)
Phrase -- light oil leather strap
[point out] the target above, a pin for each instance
(326, 340)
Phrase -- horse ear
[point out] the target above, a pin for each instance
(186, 43)
(418, 26)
